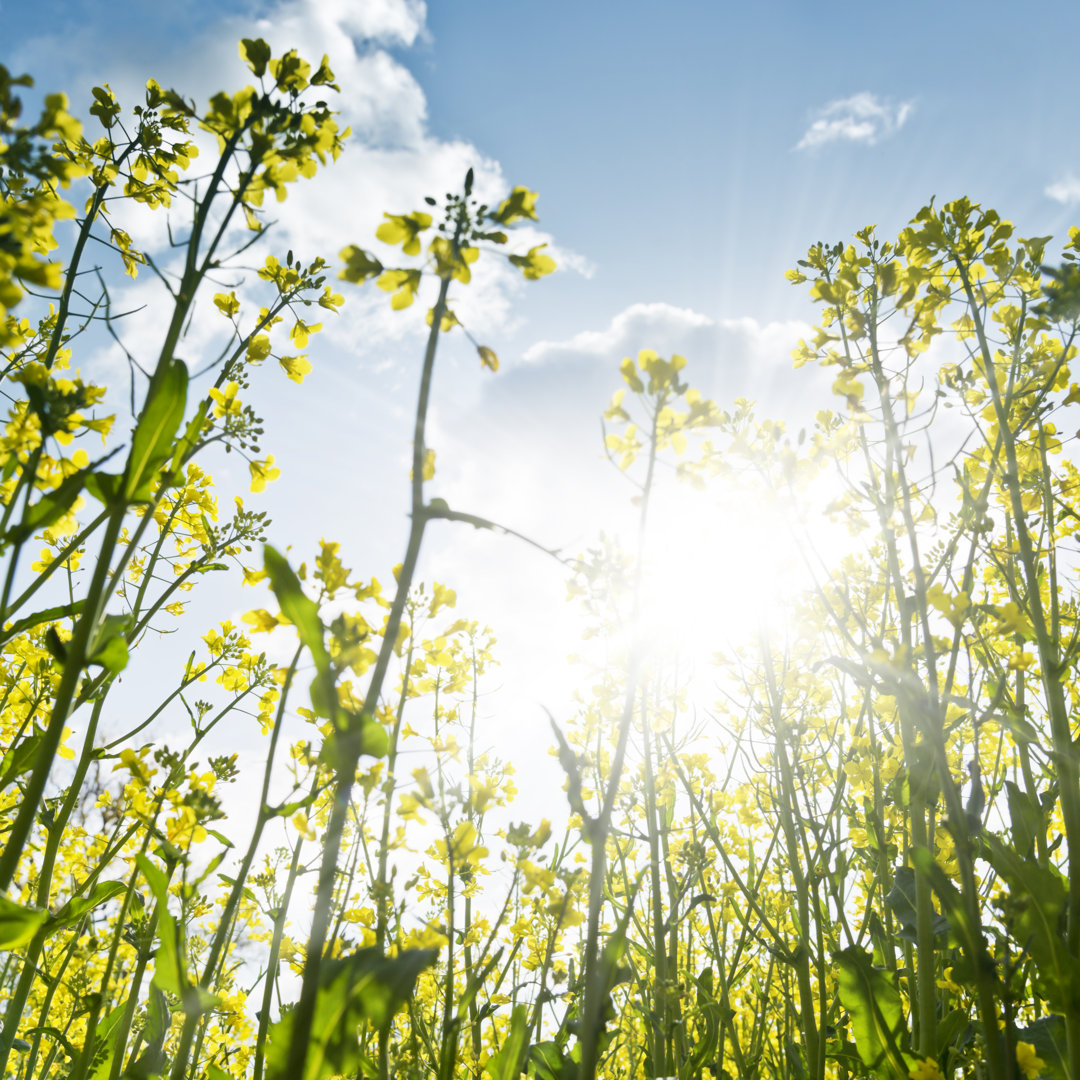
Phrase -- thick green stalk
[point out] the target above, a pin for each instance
(86, 1056)
(660, 1027)
(56, 983)
(77, 652)
(1050, 664)
(305, 1006)
(145, 951)
(912, 720)
(786, 805)
(32, 955)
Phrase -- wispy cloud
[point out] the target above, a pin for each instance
(392, 160)
(729, 358)
(861, 118)
(1066, 191)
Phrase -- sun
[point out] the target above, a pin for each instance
(725, 566)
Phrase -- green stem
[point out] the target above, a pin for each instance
(1051, 670)
(305, 1007)
(225, 920)
(273, 960)
(77, 651)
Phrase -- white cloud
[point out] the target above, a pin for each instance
(380, 99)
(387, 22)
(860, 118)
(1066, 191)
(726, 358)
(390, 163)
(662, 324)
(539, 421)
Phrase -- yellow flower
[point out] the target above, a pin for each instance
(926, 1070)
(296, 367)
(262, 473)
(1030, 1063)
(253, 577)
(300, 823)
(225, 401)
(261, 621)
(65, 751)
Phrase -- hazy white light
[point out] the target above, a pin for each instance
(722, 568)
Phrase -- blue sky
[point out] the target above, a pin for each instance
(686, 154)
(662, 137)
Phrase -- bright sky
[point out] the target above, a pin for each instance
(685, 156)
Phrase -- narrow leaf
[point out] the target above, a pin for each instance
(152, 443)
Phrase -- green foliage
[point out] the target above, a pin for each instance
(364, 988)
(877, 1014)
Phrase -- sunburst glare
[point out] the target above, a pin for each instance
(723, 567)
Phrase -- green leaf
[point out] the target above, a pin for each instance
(877, 1014)
(796, 1061)
(289, 808)
(106, 1037)
(105, 487)
(1026, 819)
(190, 438)
(362, 736)
(707, 1024)
(152, 1061)
(1035, 913)
(955, 1029)
(18, 924)
(155, 878)
(303, 613)
(152, 443)
(901, 899)
(53, 1033)
(297, 606)
(968, 933)
(55, 645)
(568, 760)
(110, 647)
(546, 1061)
(1048, 1037)
(79, 906)
(20, 758)
(506, 1064)
(61, 611)
(170, 974)
(364, 988)
(49, 509)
